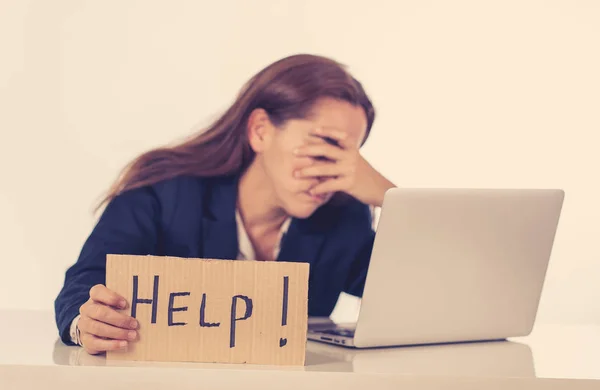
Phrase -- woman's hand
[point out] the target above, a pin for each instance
(341, 168)
(101, 327)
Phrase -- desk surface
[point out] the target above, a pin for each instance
(550, 357)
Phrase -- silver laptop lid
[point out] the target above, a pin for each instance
(457, 265)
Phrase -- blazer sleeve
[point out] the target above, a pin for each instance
(365, 237)
(128, 225)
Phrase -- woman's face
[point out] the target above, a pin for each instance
(275, 151)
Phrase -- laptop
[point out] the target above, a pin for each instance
(452, 265)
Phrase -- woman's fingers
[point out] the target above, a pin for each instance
(329, 186)
(108, 315)
(323, 170)
(101, 326)
(322, 150)
(95, 345)
(302, 162)
(100, 293)
(333, 136)
(100, 329)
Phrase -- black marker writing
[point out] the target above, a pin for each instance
(135, 300)
(284, 309)
(174, 309)
(247, 315)
(203, 323)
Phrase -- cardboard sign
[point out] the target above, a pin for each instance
(220, 311)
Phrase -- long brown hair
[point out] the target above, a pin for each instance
(286, 89)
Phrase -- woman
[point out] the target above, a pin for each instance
(277, 177)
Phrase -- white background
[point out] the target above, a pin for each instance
(469, 94)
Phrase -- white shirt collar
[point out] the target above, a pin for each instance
(245, 249)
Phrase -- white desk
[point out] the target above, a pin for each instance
(553, 357)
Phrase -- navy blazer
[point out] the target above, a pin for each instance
(195, 218)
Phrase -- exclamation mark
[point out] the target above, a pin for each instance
(282, 341)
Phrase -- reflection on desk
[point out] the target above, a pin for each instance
(30, 339)
(492, 359)
(489, 359)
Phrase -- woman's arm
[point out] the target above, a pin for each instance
(361, 220)
(128, 225)
(355, 284)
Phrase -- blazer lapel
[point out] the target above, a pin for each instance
(219, 228)
(302, 243)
